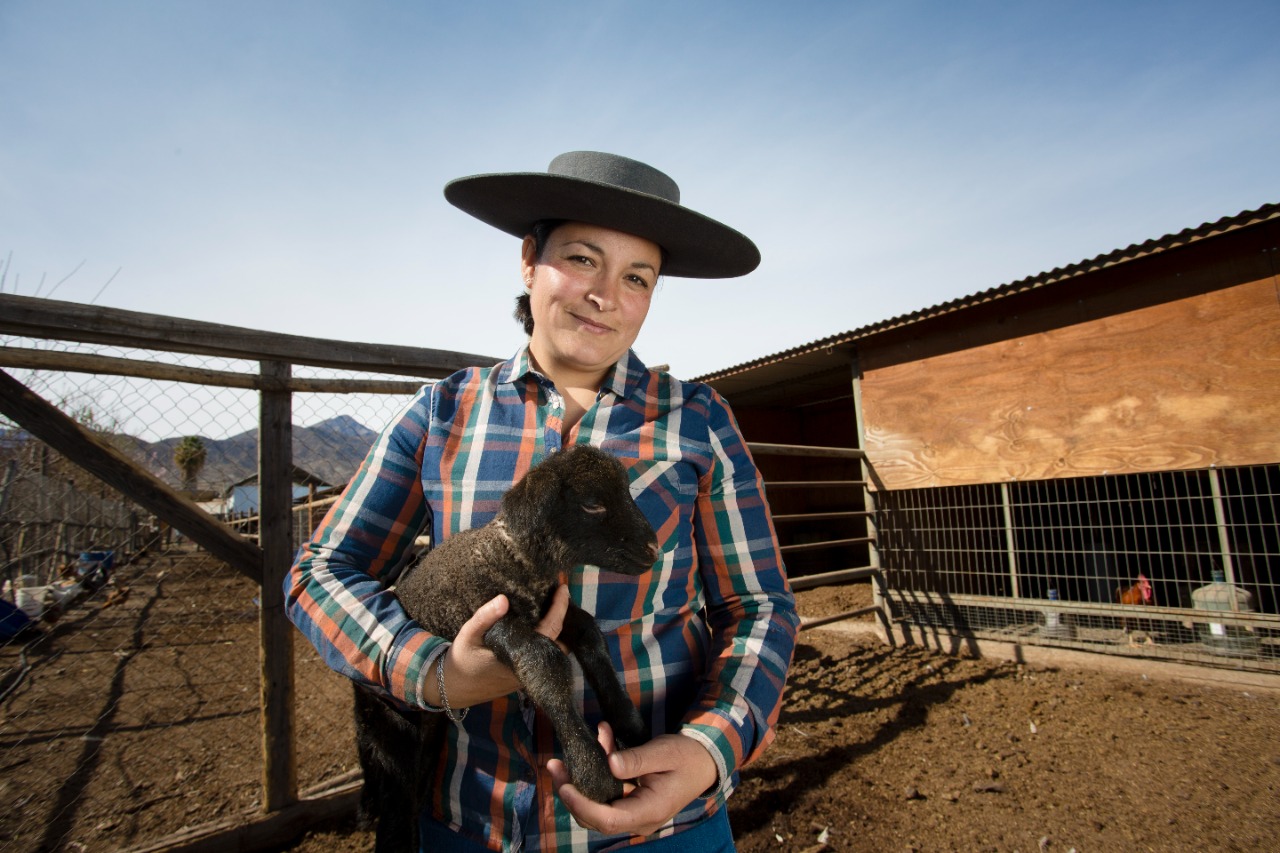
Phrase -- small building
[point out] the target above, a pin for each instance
(1058, 438)
(242, 498)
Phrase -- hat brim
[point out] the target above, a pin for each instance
(697, 246)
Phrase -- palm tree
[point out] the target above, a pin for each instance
(189, 456)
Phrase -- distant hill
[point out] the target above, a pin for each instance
(332, 450)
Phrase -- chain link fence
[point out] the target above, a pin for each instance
(131, 702)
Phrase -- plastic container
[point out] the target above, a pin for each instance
(30, 600)
(90, 560)
(1054, 627)
(1222, 597)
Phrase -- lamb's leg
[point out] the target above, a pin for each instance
(547, 677)
(583, 637)
(389, 746)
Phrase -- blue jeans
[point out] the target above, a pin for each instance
(709, 836)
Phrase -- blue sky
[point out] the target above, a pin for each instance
(279, 165)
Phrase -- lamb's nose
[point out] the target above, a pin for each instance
(654, 551)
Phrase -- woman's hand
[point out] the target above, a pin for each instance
(670, 771)
(472, 673)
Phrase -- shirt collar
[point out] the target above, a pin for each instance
(623, 378)
(516, 368)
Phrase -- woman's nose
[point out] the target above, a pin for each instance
(602, 296)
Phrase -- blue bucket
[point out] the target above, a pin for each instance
(92, 559)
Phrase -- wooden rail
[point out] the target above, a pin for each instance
(844, 575)
(826, 543)
(765, 449)
(102, 365)
(822, 516)
(840, 617)
(831, 578)
(70, 321)
(1244, 619)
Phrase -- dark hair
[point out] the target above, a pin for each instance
(541, 232)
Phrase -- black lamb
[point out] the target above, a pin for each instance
(574, 508)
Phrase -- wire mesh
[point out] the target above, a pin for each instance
(129, 689)
(1176, 564)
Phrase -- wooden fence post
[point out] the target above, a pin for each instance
(10, 477)
(275, 499)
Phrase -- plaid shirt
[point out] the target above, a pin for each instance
(703, 641)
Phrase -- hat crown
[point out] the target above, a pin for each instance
(617, 171)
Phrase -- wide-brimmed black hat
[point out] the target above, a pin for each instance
(615, 192)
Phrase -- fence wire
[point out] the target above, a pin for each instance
(129, 689)
(1175, 564)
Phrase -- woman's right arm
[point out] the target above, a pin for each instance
(336, 592)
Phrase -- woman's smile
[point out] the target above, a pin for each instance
(593, 326)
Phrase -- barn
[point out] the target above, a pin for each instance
(1088, 458)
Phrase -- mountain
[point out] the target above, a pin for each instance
(332, 450)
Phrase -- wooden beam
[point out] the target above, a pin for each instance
(108, 464)
(103, 365)
(830, 543)
(821, 516)
(275, 490)
(830, 578)
(819, 621)
(29, 316)
(261, 832)
(1242, 619)
(759, 448)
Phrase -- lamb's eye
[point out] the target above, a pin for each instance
(593, 508)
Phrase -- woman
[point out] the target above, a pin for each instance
(703, 640)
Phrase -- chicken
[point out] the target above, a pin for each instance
(1137, 593)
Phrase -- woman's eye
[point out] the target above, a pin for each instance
(639, 281)
(580, 259)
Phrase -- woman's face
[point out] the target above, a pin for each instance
(590, 293)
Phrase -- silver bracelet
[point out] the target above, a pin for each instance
(444, 697)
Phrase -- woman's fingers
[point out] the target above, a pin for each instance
(473, 630)
(553, 620)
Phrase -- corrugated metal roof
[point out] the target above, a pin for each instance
(1129, 253)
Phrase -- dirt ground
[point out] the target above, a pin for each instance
(137, 720)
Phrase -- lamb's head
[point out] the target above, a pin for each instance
(575, 508)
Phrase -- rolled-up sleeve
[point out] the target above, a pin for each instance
(336, 592)
(750, 608)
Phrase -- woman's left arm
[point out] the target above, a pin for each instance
(750, 608)
(752, 617)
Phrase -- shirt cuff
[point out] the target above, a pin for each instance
(427, 668)
(714, 741)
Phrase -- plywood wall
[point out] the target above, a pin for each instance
(1183, 384)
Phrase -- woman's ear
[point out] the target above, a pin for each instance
(528, 260)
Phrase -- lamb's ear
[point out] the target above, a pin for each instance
(532, 499)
